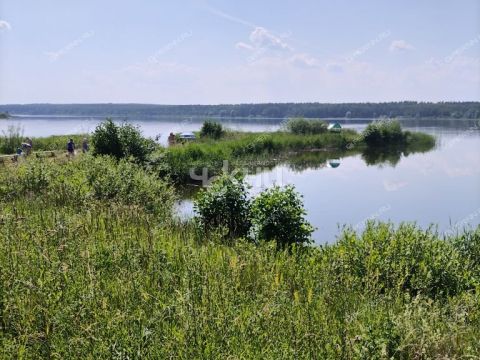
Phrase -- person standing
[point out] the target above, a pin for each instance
(71, 147)
(85, 145)
(29, 146)
(171, 139)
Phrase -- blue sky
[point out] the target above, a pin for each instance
(210, 52)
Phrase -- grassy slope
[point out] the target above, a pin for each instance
(82, 276)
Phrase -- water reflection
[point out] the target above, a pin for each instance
(384, 156)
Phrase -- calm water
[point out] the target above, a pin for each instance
(439, 187)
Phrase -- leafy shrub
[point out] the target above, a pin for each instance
(121, 141)
(278, 214)
(224, 205)
(128, 184)
(384, 132)
(306, 127)
(212, 130)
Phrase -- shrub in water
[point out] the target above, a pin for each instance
(224, 204)
(384, 132)
(278, 214)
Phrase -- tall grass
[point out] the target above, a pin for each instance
(83, 276)
(57, 142)
(11, 139)
(177, 161)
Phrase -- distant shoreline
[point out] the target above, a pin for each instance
(267, 111)
(201, 118)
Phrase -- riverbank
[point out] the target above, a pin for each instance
(93, 261)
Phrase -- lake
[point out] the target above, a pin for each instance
(439, 187)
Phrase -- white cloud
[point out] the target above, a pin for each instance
(242, 45)
(304, 60)
(5, 25)
(400, 45)
(262, 38)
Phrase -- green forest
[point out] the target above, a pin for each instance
(461, 110)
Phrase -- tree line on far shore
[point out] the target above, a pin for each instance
(408, 109)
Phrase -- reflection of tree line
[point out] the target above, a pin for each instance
(385, 155)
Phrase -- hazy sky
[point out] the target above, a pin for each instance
(198, 52)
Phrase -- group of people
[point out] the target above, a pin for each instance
(71, 146)
(27, 147)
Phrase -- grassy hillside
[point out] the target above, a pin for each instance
(89, 272)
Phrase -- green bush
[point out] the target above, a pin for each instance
(278, 214)
(212, 129)
(129, 184)
(302, 126)
(121, 141)
(384, 132)
(224, 205)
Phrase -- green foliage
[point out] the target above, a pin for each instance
(177, 161)
(302, 126)
(57, 142)
(224, 205)
(468, 246)
(92, 272)
(106, 140)
(11, 139)
(121, 141)
(212, 129)
(103, 280)
(88, 179)
(278, 214)
(383, 132)
(406, 259)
